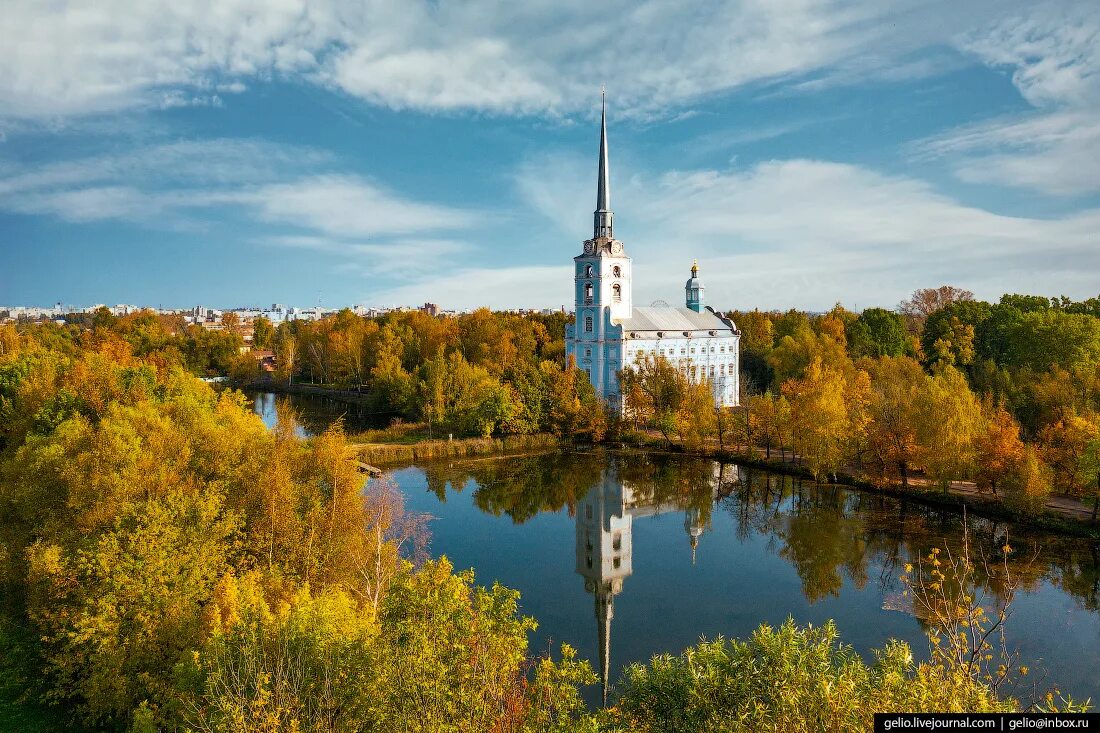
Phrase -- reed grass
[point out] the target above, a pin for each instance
(388, 454)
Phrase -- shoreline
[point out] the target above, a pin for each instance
(982, 505)
(396, 455)
(405, 455)
(350, 396)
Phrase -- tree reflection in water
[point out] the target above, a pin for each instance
(828, 534)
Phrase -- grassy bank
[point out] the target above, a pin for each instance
(390, 454)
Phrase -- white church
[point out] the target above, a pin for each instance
(610, 333)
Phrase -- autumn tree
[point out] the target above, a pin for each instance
(999, 449)
(949, 423)
(696, 420)
(769, 417)
(1063, 445)
(658, 388)
(896, 383)
(1088, 471)
(926, 301)
(231, 322)
(1027, 486)
(826, 418)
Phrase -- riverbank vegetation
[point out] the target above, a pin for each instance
(1005, 394)
(168, 563)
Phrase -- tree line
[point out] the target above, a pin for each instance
(950, 388)
(169, 563)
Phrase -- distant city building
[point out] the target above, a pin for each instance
(430, 308)
(610, 334)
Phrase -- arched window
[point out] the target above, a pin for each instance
(588, 270)
(616, 292)
(616, 271)
(588, 324)
(588, 293)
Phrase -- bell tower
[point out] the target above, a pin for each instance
(603, 268)
(602, 277)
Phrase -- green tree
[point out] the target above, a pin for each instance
(263, 333)
(885, 333)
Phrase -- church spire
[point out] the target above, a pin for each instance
(605, 611)
(602, 217)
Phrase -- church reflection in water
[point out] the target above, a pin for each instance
(605, 520)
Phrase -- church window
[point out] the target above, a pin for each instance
(588, 270)
(588, 511)
(683, 351)
(616, 271)
(617, 542)
(588, 293)
(693, 349)
(588, 324)
(588, 353)
(617, 563)
(616, 292)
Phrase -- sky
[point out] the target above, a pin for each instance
(388, 152)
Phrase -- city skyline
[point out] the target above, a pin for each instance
(805, 153)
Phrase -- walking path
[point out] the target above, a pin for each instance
(1060, 504)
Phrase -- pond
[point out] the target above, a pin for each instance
(624, 556)
(315, 413)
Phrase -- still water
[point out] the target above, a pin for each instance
(624, 556)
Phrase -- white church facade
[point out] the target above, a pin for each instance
(610, 333)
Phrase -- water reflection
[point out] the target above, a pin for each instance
(604, 548)
(767, 546)
(315, 413)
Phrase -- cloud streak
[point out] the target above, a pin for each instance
(802, 233)
(1053, 52)
(75, 57)
(178, 185)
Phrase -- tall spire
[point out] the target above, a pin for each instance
(602, 218)
(605, 611)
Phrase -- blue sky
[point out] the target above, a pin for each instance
(395, 151)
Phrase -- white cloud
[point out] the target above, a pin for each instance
(547, 286)
(221, 161)
(1054, 55)
(272, 186)
(81, 56)
(348, 206)
(398, 257)
(798, 233)
(1054, 52)
(538, 57)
